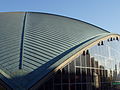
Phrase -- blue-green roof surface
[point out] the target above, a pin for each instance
(32, 44)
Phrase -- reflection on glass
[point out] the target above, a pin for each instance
(95, 69)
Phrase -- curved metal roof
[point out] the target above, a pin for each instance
(33, 44)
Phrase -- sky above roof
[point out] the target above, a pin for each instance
(102, 13)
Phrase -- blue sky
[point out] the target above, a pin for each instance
(102, 13)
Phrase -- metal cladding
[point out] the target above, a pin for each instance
(33, 44)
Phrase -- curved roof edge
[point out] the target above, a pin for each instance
(59, 16)
(77, 48)
(70, 18)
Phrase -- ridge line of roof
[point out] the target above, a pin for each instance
(22, 40)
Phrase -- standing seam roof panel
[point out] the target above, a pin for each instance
(10, 38)
(34, 43)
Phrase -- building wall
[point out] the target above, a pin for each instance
(95, 69)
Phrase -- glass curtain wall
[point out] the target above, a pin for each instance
(97, 68)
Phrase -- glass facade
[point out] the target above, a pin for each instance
(97, 68)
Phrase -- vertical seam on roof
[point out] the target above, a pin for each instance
(22, 40)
